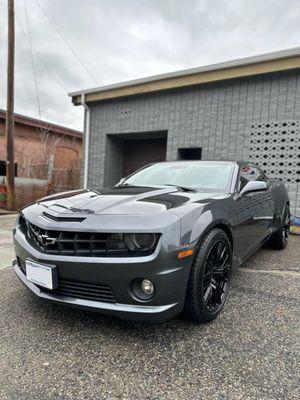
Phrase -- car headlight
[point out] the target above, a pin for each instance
(140, 241)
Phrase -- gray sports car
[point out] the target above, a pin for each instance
(162, 241)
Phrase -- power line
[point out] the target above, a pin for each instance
(59, 82)
(66, 43)
(54, 76)
(32, 62)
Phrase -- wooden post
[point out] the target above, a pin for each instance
(9, 126)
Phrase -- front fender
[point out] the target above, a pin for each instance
(197, 221)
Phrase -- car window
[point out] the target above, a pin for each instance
(250, 173)
(209, 176)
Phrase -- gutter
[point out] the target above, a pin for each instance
(241, 62)
(86, 141)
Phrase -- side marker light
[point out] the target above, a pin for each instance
(185, 253)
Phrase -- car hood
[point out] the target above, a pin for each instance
(123, 201)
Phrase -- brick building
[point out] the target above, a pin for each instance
(35, 141)
(243, 109)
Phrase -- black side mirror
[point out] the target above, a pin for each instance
(254, 186)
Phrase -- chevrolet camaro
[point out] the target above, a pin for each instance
(164, 240)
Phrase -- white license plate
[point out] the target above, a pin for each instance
(40, 274)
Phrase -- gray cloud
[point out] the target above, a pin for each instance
(119, 40)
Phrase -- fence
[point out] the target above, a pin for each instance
(64, 179)
(58, 179)
(2, 194)
(26, 191)
(41, 180)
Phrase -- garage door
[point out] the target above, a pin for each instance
(137, 153)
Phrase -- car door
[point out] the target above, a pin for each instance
(255, 210)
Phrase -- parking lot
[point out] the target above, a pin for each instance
(250, 352)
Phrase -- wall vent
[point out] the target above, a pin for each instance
(275, 146)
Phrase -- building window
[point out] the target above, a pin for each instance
(189, 153)
(3, 168)
(275, 146)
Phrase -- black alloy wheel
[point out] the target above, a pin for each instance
(209, 279)
(216, 276)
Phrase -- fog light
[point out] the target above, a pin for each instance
(143, 289)
(147, 286)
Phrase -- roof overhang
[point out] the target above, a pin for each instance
(37, 123)
(262, 64)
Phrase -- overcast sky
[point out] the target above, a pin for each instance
(118, 40)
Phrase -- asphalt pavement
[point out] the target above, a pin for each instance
(250, 352)
(6, 242)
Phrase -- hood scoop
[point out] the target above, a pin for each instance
(62, 218)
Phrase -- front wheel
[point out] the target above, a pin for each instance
(209, 279)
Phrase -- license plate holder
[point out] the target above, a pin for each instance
(44, 275)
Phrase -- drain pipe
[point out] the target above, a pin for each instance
(86, 142)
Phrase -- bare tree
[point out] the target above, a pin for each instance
(49, 141)
(44, 132)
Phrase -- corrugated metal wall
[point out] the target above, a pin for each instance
(217, 117)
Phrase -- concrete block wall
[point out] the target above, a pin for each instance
(217, 117)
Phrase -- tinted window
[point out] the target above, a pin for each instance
(250, 173)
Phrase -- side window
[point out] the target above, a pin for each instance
(250, 173)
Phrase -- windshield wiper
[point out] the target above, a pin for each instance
(126, 185)
(184, 188)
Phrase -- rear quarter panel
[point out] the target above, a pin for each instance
(280, 195)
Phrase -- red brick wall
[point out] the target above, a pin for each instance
(29, 148)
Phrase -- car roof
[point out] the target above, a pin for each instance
(237, 162)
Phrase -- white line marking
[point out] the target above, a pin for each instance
(271, 272)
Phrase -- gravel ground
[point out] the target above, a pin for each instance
(267, 259)
(250, 352)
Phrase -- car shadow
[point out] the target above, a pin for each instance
(65, 319)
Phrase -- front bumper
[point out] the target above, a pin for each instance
(132, 312)
(168, 274)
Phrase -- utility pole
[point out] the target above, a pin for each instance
(9, 126)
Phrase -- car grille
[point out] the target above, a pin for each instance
(86, 244)
(84, 290)
(78, 289)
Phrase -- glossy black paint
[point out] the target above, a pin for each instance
(182, 218)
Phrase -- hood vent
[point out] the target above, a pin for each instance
(62, 219)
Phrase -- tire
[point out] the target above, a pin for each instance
(279, 239)
(209, 278)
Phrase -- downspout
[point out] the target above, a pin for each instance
(87, 141)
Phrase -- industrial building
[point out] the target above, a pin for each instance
(242, 109)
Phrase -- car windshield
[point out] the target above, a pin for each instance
(195, 175)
